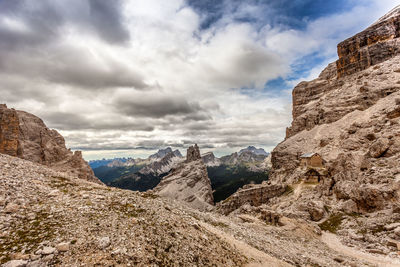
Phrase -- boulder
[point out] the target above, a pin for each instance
(104, 242)
(379, 147)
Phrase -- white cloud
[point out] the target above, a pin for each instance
(153, 78)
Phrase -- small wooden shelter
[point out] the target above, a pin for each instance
(312, 176)
(311, 160)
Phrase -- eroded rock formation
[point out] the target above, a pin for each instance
(26, 136)
(189, 182)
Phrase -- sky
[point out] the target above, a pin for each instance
(125, 78)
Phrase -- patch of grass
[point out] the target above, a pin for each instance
(327, 208)
(354, 214)
(378, 229)
(288, 190)
(60, 182)
(220, 224)
(27, 235)
(362, 231)
(149, 195)
(127, 209)
(333, 223)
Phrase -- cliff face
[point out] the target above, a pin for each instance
(9, 131)
(26, 136)
(189, 182)
(376, 44)
(350, 115)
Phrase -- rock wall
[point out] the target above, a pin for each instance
(26, 136)
(370, 47)
(9, 131)
(254, 195)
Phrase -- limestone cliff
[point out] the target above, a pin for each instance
(350, 116)
(25, 136)
(189, 182)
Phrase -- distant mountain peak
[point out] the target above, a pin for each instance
(161, 153)
(253, 149)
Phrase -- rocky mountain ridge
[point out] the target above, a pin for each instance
(257, 151)
(26, 136)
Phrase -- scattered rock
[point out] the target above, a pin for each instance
(62, 247)
(48, 250)
(11, 208)
(15, 263)
(104, 242)
(392, 226)
(379, 147)
(397, 231)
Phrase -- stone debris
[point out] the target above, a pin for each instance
(111, 226)
(62, 247)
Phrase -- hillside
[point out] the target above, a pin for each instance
(51, 218)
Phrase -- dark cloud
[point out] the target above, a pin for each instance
(45, 18)
(73, 121)
(105, 16)
(158, 105)
(30, 34)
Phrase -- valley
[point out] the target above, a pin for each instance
(328, 193)
(227, 174)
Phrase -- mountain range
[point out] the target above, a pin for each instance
(227, 174)
(332, 197)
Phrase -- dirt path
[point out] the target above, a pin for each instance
(257, 258)
(333, 242)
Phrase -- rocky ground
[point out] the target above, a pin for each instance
(51, 219)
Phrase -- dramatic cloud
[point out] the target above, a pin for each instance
(126, 77)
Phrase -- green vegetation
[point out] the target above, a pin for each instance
(137, 182)
(28, 234)
(333, 223)
(109, 174)
(226, 180)
(288, 190)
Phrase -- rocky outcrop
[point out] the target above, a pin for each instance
(9, 131)
(350, 116)
(193, 153)
(26, 136)
(254, 195)
(189, 182)
(374, 45)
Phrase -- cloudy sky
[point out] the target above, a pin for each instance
(120, 78)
